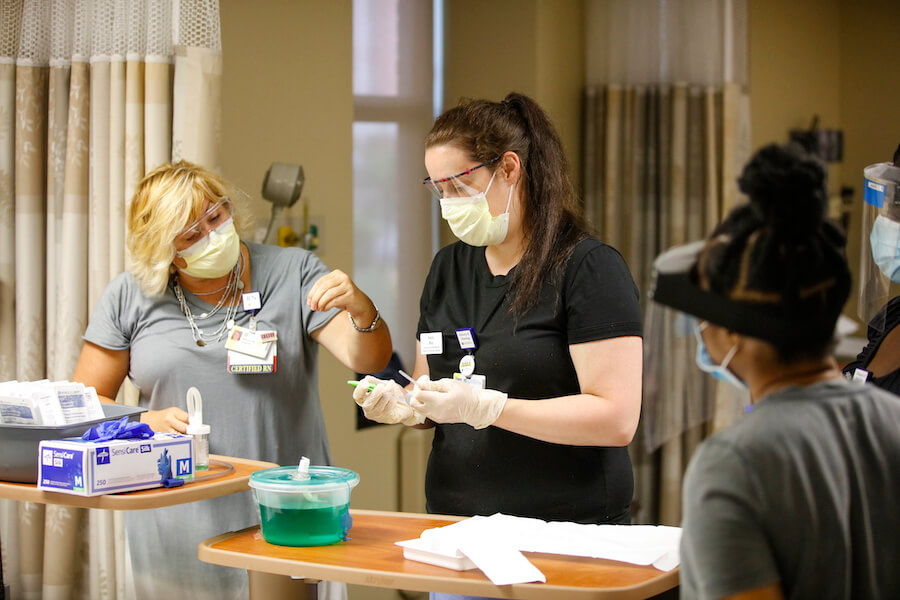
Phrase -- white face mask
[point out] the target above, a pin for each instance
(885, 242)
(214, 255)
(705, 363)
(471, 221)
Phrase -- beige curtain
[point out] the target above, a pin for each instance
(666, 130)
(92, 95)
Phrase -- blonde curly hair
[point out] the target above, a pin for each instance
(166, 201)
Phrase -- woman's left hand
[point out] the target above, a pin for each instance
(452, 401)
(361, 343)
(337, 290)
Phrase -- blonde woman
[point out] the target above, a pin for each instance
(193, 286)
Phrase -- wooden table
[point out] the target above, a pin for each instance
(230, 483)
(371, 558)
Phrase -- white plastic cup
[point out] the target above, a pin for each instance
(200, 433)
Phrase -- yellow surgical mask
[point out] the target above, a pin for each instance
(470, 219)
(215, 255)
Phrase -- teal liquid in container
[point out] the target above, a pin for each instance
(303, 526)
(305, 508)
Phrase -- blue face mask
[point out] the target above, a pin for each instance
(705, 363)
(885, 242)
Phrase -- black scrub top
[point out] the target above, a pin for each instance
(890, 381)
(482, 472)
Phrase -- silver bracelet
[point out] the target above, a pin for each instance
(371, 327)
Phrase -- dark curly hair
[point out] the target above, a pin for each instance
(779, 253)
(552, 219)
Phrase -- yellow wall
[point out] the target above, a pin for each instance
(870, 97)
(832, 58)
(287, 96)
(535, 47)
(794, 66)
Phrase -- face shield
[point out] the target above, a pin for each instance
(879, 273)
(678, 396)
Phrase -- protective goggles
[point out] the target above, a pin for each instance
(195, 236)
(456, 186)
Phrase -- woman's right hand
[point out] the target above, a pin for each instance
(386, 403)
(167, 420)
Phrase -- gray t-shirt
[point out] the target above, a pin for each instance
(801, 491)
(272, 417)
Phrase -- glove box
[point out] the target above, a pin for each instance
(83, 468)
(19, 459)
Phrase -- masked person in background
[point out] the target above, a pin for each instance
(192, 285)
(797, 498)
(529, 335)
(879, 289)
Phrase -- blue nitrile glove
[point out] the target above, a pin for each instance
(164, 464)
(164, 468)
(117, 430)
(347, 522)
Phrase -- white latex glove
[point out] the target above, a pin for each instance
(386, 402)
(452, 401)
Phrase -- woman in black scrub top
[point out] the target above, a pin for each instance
(529, 337)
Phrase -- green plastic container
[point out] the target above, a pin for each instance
(304, 512)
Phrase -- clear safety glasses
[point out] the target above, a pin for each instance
(456, 186)
(195, 236)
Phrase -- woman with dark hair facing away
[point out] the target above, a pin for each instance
(796, 499)
(529, 336)
(879, 287)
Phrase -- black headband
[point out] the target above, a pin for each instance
(673, 285)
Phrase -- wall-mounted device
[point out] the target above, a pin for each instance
(282, 186)
(827, 144)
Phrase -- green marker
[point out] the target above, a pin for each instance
(356, 383)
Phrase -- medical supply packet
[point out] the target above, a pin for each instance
(27, 403)
(48, 403)
(74, 466)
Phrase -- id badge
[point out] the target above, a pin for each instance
(860, 375)
(239, 363)
(476, 380)
(253, 342)
(432, 343)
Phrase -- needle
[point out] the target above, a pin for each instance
(411, 380)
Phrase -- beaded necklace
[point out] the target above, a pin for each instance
(232, 288)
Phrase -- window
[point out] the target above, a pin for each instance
(393, 111)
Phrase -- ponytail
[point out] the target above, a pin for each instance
(552, 222)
